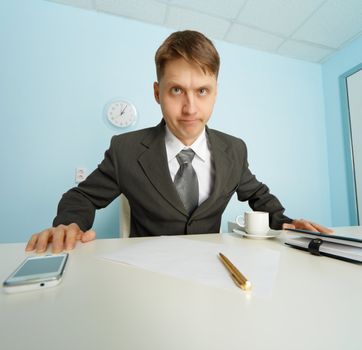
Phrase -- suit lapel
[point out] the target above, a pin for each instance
(154, 164)
(223, 166)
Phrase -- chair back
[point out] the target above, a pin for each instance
(125, 217)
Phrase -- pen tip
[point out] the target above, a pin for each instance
(247, 285)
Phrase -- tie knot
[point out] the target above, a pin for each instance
(185, 156)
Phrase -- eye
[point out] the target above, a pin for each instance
(176, 90)
(203, 92)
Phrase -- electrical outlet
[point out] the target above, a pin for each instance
(80, 174)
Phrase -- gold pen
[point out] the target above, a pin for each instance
(240, 280)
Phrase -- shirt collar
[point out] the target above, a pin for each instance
(174, 145)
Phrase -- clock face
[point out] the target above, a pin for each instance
(121, 114)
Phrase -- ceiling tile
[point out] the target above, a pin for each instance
(334, 23)
(278, 16)
(256, 39)
(181, 19)
(313, 29)
(304, 51)
(86, 4)
(226, 8)
(144, 10)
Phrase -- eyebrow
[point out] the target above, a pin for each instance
(175, 83)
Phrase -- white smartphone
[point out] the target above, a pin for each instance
(36, 272)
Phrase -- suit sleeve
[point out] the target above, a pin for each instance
(79, 204)
(258, 195)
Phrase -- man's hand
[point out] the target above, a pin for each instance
(302, 224)
(62, 237)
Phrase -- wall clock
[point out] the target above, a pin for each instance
(120, 113)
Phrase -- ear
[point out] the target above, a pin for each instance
(156, 91)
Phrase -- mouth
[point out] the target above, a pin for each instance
(188, 121)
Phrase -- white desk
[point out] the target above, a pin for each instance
(316, 304)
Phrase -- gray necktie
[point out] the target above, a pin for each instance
(186, 181)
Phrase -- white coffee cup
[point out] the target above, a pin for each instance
(254, 222)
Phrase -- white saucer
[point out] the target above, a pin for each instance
(270, 234)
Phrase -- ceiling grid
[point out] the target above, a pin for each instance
(310, 30)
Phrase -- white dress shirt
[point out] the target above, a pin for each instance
(202, 162)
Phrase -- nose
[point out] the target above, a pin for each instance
(189, 105)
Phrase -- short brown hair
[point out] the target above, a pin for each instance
(193, 47)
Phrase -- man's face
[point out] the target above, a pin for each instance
(187, 96)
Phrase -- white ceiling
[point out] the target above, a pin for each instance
(310, 30)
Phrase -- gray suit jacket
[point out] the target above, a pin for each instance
(136, 165)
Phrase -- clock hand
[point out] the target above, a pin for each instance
(122, 111)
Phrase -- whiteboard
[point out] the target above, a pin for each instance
(354, 93)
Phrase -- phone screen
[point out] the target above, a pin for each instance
(40, 266)
(36, 272)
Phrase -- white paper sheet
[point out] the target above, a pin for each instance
(199, 261)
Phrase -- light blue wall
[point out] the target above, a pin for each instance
(59, 66)
(276, 105)
(341, 181)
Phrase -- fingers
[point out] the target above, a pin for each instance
(286, 225)
(58, 238)
(88, 236)
(73, 233)
(307, 225)
(32, 242)
(322, 229)
(62, 237)
(42, 241)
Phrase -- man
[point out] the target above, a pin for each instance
(178, 176)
